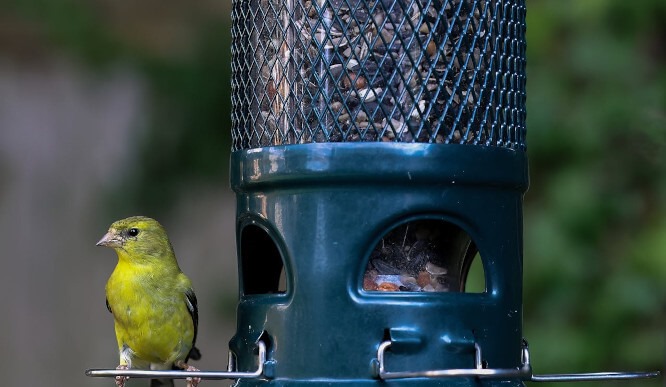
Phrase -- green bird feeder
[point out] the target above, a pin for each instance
(378, 149)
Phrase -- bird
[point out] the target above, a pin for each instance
(153, 304)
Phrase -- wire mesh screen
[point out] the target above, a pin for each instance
(432, 71)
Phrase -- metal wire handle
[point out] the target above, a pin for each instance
(524, 372)
(212, 375)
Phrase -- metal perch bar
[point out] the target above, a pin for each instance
(586, 377)
(211, 375)
(524, 372)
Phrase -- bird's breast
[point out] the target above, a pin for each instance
(150, 315)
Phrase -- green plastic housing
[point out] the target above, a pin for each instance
(319, 210)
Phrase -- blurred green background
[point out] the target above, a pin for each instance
(111, 108)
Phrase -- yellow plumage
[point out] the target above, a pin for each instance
(152, 301)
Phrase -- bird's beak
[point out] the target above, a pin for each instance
(110, 239)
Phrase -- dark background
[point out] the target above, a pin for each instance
(110, 108)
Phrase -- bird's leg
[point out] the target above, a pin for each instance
(120, 380)
(191, 382)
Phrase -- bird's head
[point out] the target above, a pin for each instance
(137, 237)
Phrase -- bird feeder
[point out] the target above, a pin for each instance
(378, 150)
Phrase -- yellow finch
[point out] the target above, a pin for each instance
(153, 305)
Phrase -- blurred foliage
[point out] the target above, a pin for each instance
(595, 214)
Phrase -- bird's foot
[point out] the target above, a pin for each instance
(192, 382)
(120, 380)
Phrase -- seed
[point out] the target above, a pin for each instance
(434, 269)
(432, 47)
(361, 82)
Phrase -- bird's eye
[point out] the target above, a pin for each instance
(133, 232)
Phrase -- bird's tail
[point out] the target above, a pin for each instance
(161, 383)
(194, 354)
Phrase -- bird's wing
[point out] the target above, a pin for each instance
(191, 300)
(108, 306)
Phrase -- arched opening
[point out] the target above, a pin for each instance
(262, 267)
(425, 256)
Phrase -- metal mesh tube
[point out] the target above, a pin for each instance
(432, 71)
